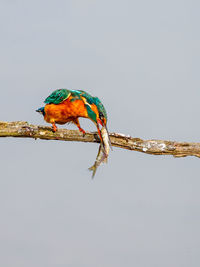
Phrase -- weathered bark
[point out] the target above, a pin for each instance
(154, 147)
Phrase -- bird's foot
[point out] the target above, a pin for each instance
(54, 128)
(82, 131)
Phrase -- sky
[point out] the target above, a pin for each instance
(141, 58)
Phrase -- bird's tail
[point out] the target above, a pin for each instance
(41, 110)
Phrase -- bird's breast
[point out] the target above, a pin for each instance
(65, 111)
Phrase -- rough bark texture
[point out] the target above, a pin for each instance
(154, 147)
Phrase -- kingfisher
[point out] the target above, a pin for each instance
(65, 106)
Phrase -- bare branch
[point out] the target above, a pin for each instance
(154, 147)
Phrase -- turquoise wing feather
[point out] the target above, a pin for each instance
(58, 96)
(87, 96)
(93, 100)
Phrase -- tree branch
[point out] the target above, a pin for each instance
(154, 147)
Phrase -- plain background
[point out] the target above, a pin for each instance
(141, 58)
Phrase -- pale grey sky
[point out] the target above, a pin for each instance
(141, 58)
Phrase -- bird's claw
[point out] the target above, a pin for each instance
(82, 131)
(54, 128)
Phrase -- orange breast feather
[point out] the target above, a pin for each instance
(65, 111)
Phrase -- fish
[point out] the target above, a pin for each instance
(103, 152)
(106, 141)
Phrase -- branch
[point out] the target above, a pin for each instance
(154, 147)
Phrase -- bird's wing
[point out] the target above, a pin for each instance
(94, 100)
(81, 95)
(86, 99)
(58, 96)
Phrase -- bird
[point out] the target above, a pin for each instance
(65, 106)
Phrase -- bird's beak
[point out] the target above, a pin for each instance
(98, 128)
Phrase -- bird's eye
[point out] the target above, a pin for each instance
(101, 116)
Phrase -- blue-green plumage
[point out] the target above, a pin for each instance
(41, 110)
(91, 114)
(59, 95)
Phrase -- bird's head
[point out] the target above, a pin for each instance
(101, 119)
(101, 115)
(41, 111)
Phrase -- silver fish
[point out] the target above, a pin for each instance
(106, 141)
(103, 152)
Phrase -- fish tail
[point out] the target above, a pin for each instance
(93, 169)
